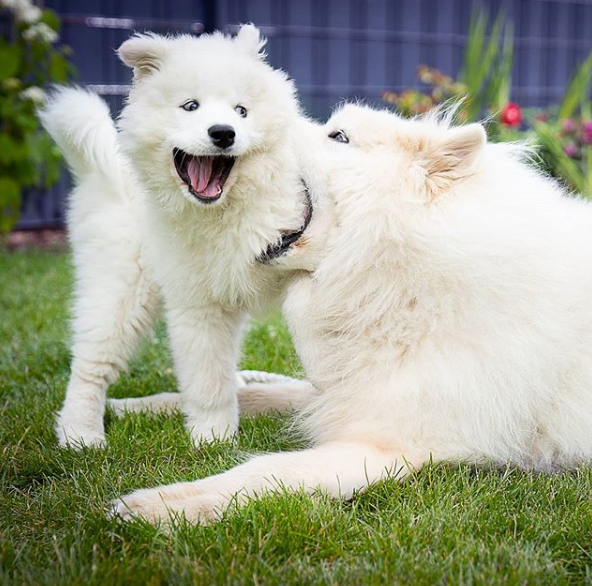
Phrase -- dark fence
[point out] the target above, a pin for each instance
(334, 49)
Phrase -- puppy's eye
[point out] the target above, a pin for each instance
(339, 136)
(190, 105)
(241, 111)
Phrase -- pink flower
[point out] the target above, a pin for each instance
(542, 117)
(571, 150)
(587, 126)
(569, 125)
(511, 114)
(587, 136)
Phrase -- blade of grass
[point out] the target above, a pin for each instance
(588, 191)
(501, 79)
(576, 94)
(483, 63)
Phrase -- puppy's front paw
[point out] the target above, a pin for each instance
(77, 430)
(209, 435)
(222, 426)
(164, 503)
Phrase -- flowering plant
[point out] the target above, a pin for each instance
(411, 102)
(566, 150)
(29, 59)
(483, 83)
(564, 133)
(511, 115)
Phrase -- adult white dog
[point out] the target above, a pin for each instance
(198, 190)
(449, 317)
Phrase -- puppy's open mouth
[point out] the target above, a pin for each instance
(288, 239)
(205, 176)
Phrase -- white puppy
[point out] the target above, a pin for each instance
(191, 200)
(449, 317)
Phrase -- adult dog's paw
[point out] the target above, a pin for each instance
(165, 503)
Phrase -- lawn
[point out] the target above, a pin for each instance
(447, 524)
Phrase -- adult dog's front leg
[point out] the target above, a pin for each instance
(338, 468)
(205, 343)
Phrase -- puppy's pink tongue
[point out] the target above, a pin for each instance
(200, 172)
(212, 190)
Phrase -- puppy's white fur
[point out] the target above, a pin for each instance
(449, 317)
(138, 233)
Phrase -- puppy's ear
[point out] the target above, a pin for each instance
(450, 158)
(144, 53)
(250, 41)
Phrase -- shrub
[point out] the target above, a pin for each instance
(565, 133)
(29, 58)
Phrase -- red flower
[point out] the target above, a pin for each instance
(511, 114)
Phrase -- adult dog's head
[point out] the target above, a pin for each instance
(376, 176)
(198, 107)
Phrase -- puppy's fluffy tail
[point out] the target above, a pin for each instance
(81, 125)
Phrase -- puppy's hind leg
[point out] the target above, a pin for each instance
(116, 304)
(115, 299)
(158, 403)
(253, 398)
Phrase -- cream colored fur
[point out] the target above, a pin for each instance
(449, 317)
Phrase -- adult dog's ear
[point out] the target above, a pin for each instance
(144, 53)
(250, 41)
(450, 158)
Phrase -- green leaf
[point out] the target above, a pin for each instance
(486, 70)
(491, 50)
(53, 165)
(588, 159)
(576, 94)
(27, 122)
(10, 194)
(58, 68)
(27, 172)
(563, 166)
(7, 148)
(498, 91)
(51, 19)
(10, 59)
(474, 44)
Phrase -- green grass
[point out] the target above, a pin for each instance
(447, 524)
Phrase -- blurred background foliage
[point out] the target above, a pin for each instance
(562, 133)
(30, 58)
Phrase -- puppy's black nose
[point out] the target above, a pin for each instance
(222, 135)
